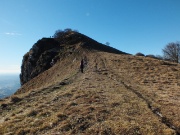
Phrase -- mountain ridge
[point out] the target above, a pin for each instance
(47, 51)
(116, 94)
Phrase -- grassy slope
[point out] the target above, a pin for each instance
(117, 94)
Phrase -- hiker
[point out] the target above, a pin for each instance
(52, 62)
(85, 61)
(82, 65)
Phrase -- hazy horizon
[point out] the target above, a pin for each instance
(9, 83)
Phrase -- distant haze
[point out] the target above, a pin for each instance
(9, 83)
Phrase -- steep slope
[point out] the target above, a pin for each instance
(47, 51)
(39, 58)
(116, 94)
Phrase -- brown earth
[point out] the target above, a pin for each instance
(117, 94)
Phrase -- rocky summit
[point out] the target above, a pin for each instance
(116, 94)
(47, 51)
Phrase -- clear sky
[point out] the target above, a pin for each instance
(129, 25)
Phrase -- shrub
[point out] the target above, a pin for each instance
(139, 54)
(22, 131)
(15, 99)
(150, 56)
(4, 105)
(159, 57)
(61, 116)
(32, 113)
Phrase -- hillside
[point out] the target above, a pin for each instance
(118, 94)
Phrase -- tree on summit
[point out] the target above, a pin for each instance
(172, 52)
(60, 33)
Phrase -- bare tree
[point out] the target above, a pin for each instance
(172, 52)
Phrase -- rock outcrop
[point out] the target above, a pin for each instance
(40, 58)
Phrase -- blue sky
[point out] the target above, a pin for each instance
(129, 25)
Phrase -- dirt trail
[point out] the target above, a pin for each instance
(132, 86)
(107, 99)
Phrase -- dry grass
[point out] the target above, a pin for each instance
(117, 94)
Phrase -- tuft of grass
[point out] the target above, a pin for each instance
(22, 131)
(32, 113)
(61, 116)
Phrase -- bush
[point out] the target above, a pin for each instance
(15, 99)
(32, 113)
(22, 131)
(4, 105)
(150, 56)
(139, 54)
(159, 57)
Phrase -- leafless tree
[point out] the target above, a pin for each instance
(172, 52)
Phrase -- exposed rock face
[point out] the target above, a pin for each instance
(39, 58)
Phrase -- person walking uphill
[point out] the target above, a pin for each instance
(82, 65)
